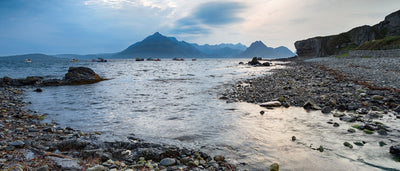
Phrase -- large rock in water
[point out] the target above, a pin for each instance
(81, 75)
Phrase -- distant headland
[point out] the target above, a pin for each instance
(382, 36)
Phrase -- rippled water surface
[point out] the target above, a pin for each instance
(176, 102)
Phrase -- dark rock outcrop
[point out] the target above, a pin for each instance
(81, 75)
(75, 76)
(335, 44)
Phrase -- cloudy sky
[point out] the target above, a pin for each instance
(94, 26)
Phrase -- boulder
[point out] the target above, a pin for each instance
(81, 75)
(254, 62)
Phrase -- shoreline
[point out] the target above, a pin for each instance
(357, 98)
(28, 144)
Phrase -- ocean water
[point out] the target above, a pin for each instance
(177, 102)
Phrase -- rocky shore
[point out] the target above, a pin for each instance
(28, 144)
(354, 89)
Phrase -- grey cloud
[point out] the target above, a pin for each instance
(219, 13)
(209, 14)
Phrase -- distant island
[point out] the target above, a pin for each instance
(160, 46)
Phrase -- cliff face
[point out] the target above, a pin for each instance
(331, 45)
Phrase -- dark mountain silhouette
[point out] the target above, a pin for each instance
(259, 49)
(221, 50)
(160, 46)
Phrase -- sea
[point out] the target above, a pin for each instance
(177, 103)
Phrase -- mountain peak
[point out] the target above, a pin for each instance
(259, 49)
(158, 45)
(258, 43)
(157, 34)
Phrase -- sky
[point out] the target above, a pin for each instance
(106, 26)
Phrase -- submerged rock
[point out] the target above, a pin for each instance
(274, 167)
(347, 144)
(395, 149)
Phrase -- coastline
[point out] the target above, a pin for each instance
(46, 146)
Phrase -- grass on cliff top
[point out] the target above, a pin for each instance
(342, 55)
(391, 42)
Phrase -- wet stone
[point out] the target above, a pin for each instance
(167, 161)
(351, 130)
(381, 143)
(362, 111)
(17, 144)
(395, 149)
(219, 158)
(326, 110)
(347, 144)
(359, 143)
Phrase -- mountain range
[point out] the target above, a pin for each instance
(160, 46)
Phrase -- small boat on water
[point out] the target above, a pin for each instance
(178, 59)
(194, 59)
(139, 59)
(74, 60)
(158, 59)
(28, 60)
(99, 60)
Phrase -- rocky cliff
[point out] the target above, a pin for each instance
(335, 44)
